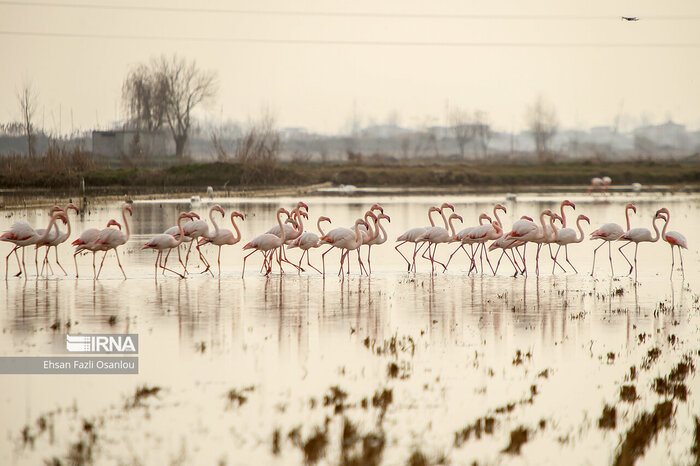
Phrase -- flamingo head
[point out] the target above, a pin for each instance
(377, 207)
(525, 217)
(362, 222)
(548, 212)
(282, 210)
(383, 215)
(500, 207)
(606, 180)
(631, 206)
(55, 209)
(303, 205)
(371, 215)
(114, 223)
(568, 203)
(292, 221)
(72, 206)
(237, 214)
(192, 215)
(660, 214)
(557, 217)
(663, 210)
(128, 208)
(583, 217)
(324, 219)
(484, 217)
(62, 216)
(217, 208)
(304, 214)
(456, 216)
(445, 205)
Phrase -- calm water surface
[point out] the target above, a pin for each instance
(302, 357)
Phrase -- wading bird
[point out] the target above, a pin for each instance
(344, 239)
(54, 240)
(567, 236)
(640, 235)
(164, 241)
(223, 236)
(309, 240)
(673, 238)
(110, 238)
(267, 243)
(610, 232)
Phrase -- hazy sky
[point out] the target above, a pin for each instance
(508, 53)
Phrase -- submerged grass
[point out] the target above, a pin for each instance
(642, 432)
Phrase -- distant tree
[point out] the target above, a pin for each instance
(462, 128)
(27, 98)
(482, 132)
(543, 124)
(165, 92)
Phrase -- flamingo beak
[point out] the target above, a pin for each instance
(388, 219)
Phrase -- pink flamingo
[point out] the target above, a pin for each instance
(380, 237)
(110, 238)
(223, 236)
(463, 238)
(175, 231)
(525, 231)
(21, 234)
(437, 235)
(293, 228)
(268, 242)
(54, 240)
(610, 232)
(309, 240)
(673, 238)
(480, 235)
(640, 235)
(344, 239)
(87, 242)
(599, 184)
(505, 244)
(164, 241)
(195, 230)
(567, 236)
(411, 236)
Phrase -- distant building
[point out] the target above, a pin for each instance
(114, 144)
(667, 135)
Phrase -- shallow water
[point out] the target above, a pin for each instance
(543, 353)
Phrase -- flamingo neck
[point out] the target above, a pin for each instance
(452, 227)
(235, 227)
(554, 234)
(430, 213)
(126, 224)
(542, 214)
(563, 216)
(358, 235)
(580, 230)
(627, 216)
(663, 233)
(444, 219)
(384, 235)
(495, 214)
(43, 237)
(282, 232)
(370, 230)
(181, 236)
(656, 230)
(318, 225)
(300, 221)
(213, 222)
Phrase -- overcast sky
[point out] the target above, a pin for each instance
(508, 53)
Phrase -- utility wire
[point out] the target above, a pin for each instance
(235, 11)
(388, 43)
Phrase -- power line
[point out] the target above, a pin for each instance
(388, 43)
(331, 14)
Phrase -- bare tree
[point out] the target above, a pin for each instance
(165, 92)
(543, 124)
(462, 128)
(27, 98)
(257, 150)
(482, 131)
(145, 96)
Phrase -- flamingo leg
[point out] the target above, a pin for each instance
(187, 256)
(94, 270)
(416, 250)
(455, 252)
(75, 261)
(120, 263)
(203, 260)
(369, 255)
(218, 260)
(680, 254)
(594, 251)
(408, 263)
(612, 271)
(323, 259)
(55, 249)
(168, 255)
(101, 264)
(243, 273)
(308, 262)
(168, 269)
(156, 265)
(444, 267)
(486, 253)
(623, 255)
(7, 262)
(556, 262)
(342, 259)
(566, 251)
(362, 265)
(636, 247)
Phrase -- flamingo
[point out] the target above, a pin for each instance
(110, 238)
(480, 235)
(640, 235)
(57, 238)
(366, 234)
(567, 236)
(505, 244)
(438, 235)
(293, 230)
(673, 238)
(610, 232)
(463, 237)
(309, 240)
(87, 241)
(380, 237)
(175, 231)
(344, 238)
(411, 236)
(223, 236)
(194, 230)
(525, 230)
(53, 235)
(599, 184)
(267, 242)
(21, 234)
(164, 241)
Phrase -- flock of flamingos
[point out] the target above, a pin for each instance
(289, 233)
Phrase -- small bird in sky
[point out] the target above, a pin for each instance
(629, 18)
